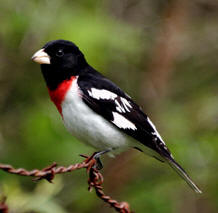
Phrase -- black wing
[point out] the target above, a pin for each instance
(108, 100)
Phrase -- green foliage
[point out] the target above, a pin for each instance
(130, 42)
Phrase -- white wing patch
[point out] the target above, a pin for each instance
(126, 104)
(156, 132)
(122, 122)
(119, 108)
(123, 106)
(102, 94)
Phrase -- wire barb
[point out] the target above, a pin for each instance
(95, 179)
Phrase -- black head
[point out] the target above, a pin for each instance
(59, 59)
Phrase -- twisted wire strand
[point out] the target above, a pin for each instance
(95, 179)
(3, 206)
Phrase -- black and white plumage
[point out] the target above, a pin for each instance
(95, 110)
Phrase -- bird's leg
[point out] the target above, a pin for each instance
(97, 156)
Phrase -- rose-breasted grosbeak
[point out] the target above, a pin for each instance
(95, 110)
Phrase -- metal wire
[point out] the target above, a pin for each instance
(95, 179)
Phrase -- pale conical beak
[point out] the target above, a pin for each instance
(41, 57)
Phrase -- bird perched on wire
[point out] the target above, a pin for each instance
(97, 111)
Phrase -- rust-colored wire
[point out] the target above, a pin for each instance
(95, 179)
(3, 206)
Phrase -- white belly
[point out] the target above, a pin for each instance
(89, 127)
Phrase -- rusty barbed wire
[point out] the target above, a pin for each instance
(95, 179)
(3, 206)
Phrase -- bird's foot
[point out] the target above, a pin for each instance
(97, 156)
(98, 164)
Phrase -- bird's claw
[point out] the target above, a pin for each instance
(95, 157)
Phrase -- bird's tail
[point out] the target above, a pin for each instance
(183, 174)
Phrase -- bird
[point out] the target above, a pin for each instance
(95, 110)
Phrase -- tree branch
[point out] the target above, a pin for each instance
(95, 178)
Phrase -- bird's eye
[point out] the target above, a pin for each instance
(60, 53)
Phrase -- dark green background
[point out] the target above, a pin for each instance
(163, 53)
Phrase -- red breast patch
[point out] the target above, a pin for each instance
(58, 95)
